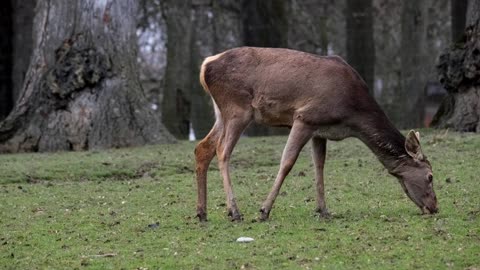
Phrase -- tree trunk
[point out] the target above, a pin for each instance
(308, 30)
(409, 103)
(23, 14)
(216, 27)
(360, 44)
(82, 89)
(176, 95)
(202, 45)
(459, 72)
(228, 24)
(6, 100)
(266, 25)
(458, 9)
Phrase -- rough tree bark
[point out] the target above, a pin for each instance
(6, 100)
(178, 84)
(82, 90)
(360, 43)
(459, 72)
(409, 103)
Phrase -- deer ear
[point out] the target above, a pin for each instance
(412, 145)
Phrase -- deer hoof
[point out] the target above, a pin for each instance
(264, 214)
(323, 213)
(202, 216)
(235, 216)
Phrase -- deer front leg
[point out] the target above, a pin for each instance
(299, 135)
(319, 146)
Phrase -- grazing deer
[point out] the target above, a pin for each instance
(320, 98)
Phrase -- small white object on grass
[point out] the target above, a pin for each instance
(244, 239)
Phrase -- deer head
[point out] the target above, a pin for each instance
(415, 175)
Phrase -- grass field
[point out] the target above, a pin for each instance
(134, 209)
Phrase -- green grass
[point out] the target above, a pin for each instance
(72, 210)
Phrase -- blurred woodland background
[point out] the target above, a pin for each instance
(92, 74)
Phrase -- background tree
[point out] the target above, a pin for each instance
(176, 99)
(266, 25)
(458, 9)
(459, 72)
(216, 27)
(360, 44)
(16, 23)
(82, 89)
(6, 99)
(152, 51)
(308, 27)
(202, 45)
(23, 13)
(409, 102)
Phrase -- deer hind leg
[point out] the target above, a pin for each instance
(299, 136)
(319, 146)
(234, 126)
(204, 153)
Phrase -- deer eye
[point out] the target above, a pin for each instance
(430, 178)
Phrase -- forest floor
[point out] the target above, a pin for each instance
(135, 209)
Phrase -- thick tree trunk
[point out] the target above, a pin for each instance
(6, 100)
(459, 72)
(360, 43)
(176, 96)
(458, 12)
(23, 14)
(409, 103)
(82, 89)
(266, 25)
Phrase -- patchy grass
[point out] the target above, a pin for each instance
(134, 209)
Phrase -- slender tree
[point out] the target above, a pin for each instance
(409, 102)
(458, 14)
(360, 44)
(459, 72)
(6, 100)
(228, 24)
(266, 25)
(176, 95)
(308, 26)
(216, 27)
(81, 90)
(202, 45)
(23, 13)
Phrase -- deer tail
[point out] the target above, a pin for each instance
(203, 68)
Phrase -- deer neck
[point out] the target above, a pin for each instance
(385, 141)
